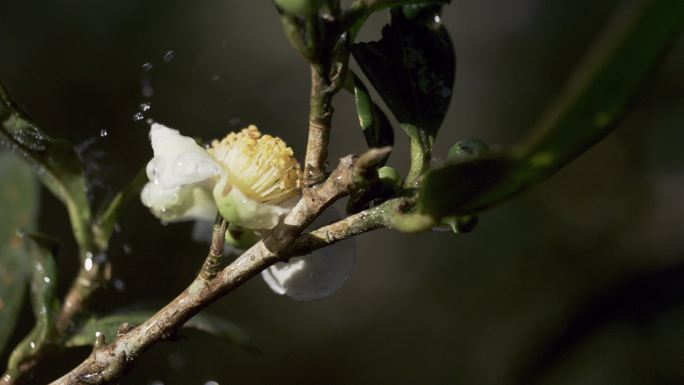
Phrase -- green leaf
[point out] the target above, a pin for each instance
(43, 300)
(412, 68)
(109, 324)
(41, 250)
(19, 197)
(593, 103)
(106, 220)
(53, 160)
(376, 127)
(360, 10)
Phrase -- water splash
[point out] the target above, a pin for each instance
(138, 116)
(169, 55)
(147, 67)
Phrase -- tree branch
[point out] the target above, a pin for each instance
(109, 362)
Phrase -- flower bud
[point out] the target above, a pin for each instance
(468, 149)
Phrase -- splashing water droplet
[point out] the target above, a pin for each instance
(138, 116)
(119, 285)
(147, 66)
(145, 106)
(103, 133)
(169, 55)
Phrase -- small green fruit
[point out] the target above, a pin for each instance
(468, 149)
(389, 176)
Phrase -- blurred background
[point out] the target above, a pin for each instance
(577, 281)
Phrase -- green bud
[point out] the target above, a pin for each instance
(240, 237)
(388, 175)
(468, 149)
(300, 7)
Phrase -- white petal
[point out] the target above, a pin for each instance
(189, 202)
(178, 160)
(316, 275)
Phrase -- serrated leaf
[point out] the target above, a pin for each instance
(19, 202)
(54, 161)
(412, 67)
(109, 324)
(594, 102)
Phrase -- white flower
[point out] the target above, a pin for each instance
(182, 175)
(316, 275)
(260, 177)
(251, 178)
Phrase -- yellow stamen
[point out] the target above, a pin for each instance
(261, 166)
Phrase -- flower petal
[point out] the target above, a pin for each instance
(178, 160)
(316, 275)
(188, 202)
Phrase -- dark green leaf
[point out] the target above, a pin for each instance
(19, 201)
(108, 326)
(41, 250)
(594, 102)
(54, 161)
(43, 299)
(412, 68)
(376, 127)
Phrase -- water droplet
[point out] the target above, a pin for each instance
(138, 116)
(30, 137)
(33, 345)
(211, 382)
(155, 382)
(119, 285)
(88, 264)
(437, 19)
(103, 133)
(149, 121)
(127, 249)
(169, 55)
(46, 279)
(147, 66)
(145, 106)
(117, 228)
(215, 78)
(234, 121)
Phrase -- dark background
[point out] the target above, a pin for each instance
(578, 281)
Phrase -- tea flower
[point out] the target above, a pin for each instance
(259, 179)
(251, 178)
